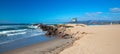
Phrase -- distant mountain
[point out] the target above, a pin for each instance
(100, 22)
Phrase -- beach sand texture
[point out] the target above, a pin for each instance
(104, 39)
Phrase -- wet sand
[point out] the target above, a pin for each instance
(49, 47)
(103, 39)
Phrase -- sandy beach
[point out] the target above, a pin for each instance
(59, 26)
(101, 39)
(104, 39)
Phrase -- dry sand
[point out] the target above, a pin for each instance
(104, 39)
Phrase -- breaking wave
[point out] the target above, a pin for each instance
(12, 31)
(18, 32)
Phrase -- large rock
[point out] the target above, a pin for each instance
(57, 31)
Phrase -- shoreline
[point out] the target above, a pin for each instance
(79, 43)
(50, 47)
(56, 46)
(21, 43)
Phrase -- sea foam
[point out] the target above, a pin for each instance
(16, 33)
(11, 31)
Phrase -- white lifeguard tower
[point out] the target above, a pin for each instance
(74, 20)
(111, 23)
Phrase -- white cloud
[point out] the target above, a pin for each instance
(113, 14)
(115, 10)
(99, 12)
(92, 14)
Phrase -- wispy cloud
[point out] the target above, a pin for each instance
(92, 14)
(114, 13)
(115, 10)
(111, 14)
(99, 12)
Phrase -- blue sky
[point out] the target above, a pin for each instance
(54, 11)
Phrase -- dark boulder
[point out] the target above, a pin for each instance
(53, 31)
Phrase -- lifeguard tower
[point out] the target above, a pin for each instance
(74, 20)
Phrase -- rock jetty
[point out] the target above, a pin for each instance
(54, 30)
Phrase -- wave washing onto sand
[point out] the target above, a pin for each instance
(33, 35)
(13, 37)
(27, 31)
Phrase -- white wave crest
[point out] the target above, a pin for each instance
(5, 32)
(38, 34)
(33, 26)
(16, 33)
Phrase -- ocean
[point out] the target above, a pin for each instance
(17, 36)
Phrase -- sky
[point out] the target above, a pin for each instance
(55, 11)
